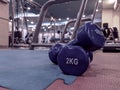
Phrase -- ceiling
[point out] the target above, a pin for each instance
(109, 4)
(69, 9)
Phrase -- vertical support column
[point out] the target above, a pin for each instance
(119, 22)
(13, 23)
(4, 24)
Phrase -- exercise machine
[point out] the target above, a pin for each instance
(42, 15)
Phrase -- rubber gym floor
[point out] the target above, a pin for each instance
(103, 74)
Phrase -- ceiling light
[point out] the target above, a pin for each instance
(84, 16)
(32, 22)
(111, 1)
(49, 27)
(21, 18)
(43, 27)
(100, 1)
(30, 0)
(20, 29)
(28, 8)
(51, 18)
(97, 10)
(68, 18)
(92, 15)
(59, 19)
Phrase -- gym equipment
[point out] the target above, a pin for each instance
(43, 11)
(4, 1)
(79, 17)
(115, 33)
(114, 44)
(75, 42)
(69, 22)
(111, 47)
(55, 49)
(90, 37)
(53, 52)
(73, 60)
(94, 12)
(106, 30)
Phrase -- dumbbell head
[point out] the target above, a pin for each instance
(73, 60)
(90, 55)
(75, 42)
(53, 52)
(90, 37)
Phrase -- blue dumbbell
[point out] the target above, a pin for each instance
(90, 37)
(73, 60)
(53, 52)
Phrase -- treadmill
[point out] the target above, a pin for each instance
(112, 45)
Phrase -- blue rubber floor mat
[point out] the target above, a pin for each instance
(29, 70)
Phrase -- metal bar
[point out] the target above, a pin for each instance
(33, 3)
(66, 26)
(4, 1)
(2, 18)
(79, 17)
(36, 4)
(25, 18)
(65, 29)
(17, 12)
(42, 15)
(94, 12)
(13, 23)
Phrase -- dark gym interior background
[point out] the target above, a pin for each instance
(26, 16)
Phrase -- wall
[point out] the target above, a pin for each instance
(112, 17)
(4, 24)
(107, 16)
